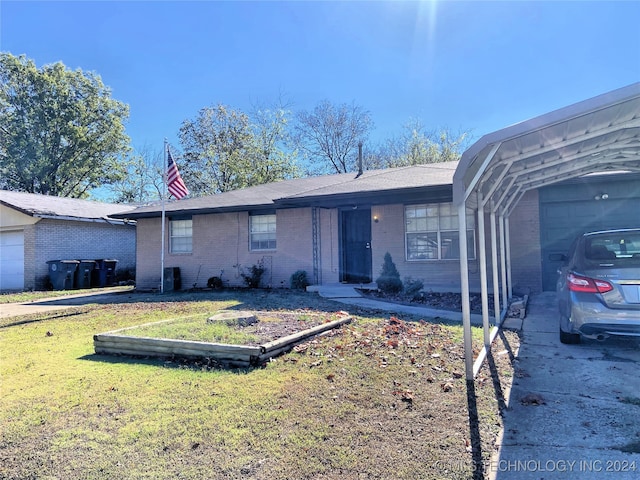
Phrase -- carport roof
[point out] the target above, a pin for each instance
(601, 134)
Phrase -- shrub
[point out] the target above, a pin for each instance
(389, 279)
(253, 278)
(215, 283)
(412, 288)
(298, 280)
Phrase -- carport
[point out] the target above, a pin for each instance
(598, 135)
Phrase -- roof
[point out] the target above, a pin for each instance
(46, 206)
(326, 190)
(601, 134)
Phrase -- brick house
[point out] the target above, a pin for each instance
(37, 228)
(338, 228)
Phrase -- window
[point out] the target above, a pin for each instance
(432, 232)
(262, 232)
(180, 236)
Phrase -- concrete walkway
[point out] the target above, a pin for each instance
(589, 411)
(347, 294)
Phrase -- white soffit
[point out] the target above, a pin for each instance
(601, 134)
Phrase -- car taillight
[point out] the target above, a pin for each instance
(578, 283)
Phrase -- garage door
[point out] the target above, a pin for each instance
(11, 260)
(569, 210)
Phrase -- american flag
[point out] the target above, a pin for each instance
(175, 184)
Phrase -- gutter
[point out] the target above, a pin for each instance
(108, 220)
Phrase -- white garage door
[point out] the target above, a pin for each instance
(11, 260)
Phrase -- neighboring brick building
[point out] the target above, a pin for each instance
(37, 228)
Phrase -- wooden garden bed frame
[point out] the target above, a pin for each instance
(114, 343)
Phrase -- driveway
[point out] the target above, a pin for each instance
(573, 410)
(60, 303)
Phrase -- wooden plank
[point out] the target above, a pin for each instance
(296, 337)
(166, 342)
(119, 351)
(170, 351)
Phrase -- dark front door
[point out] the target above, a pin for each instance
(356, 246)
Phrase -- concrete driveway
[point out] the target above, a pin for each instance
(573, 410)
(60, 303)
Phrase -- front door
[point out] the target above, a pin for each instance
(356, 246)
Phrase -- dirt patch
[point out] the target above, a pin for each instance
(438, 300)
(274, 325)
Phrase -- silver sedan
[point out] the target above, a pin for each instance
(599, 286)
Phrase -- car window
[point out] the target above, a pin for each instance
(617, 248)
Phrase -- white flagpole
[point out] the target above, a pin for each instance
(164, 193)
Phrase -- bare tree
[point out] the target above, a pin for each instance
(143, 181)
(329, 135)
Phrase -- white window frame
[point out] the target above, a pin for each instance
(262, 232)
(439, 222)
(181, 236)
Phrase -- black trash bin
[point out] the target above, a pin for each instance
(62, 273)
(172, 279)
(83, 273)
(104, 274)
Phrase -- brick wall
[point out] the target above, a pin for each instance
(221, 243)
(388, 235)
(329, 248)
(70, 240)
(526, 254)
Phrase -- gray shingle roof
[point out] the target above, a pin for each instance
(301, 190)
(36, 205)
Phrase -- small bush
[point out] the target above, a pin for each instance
(253, 279)
(215, 283)
(298, 280)
(412, 288)
(389, 280)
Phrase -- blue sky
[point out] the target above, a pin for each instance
(475, 66)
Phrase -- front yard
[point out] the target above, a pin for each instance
(380, 398)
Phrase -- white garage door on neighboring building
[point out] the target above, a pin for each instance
(12, 260)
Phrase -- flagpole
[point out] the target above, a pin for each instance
(164, 193)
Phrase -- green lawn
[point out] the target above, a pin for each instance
(376, 399)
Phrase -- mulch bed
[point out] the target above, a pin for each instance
(438, 300)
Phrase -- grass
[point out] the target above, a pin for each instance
(380, 398)
(194, 328)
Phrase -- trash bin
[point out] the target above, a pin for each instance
(83, 273)
(62, 273)
(172, 279)
(104, 274)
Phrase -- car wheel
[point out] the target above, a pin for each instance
(569, 338)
